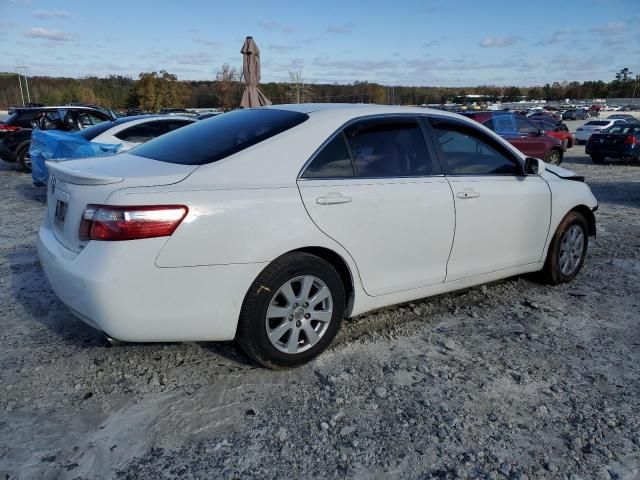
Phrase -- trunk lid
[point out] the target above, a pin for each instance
(609, 139)
(74, 184)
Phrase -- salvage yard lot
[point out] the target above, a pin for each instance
(510, 380)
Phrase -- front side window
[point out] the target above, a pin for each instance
(220, 136)
(465, 152)
(333, 161)
(525, 127)
(383, 148)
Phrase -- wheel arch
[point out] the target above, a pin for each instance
(589, 216)
(342, 267)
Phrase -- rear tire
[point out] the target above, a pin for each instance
(280, 326)
(597, 159)
(581, 142)
(553, 157)
(24, 159)
(567, 250)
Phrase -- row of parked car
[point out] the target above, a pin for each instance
(542, 135)
(88, 123)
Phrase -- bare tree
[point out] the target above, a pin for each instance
(226, 80)
(298, 91)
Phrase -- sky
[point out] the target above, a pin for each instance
(404, 42)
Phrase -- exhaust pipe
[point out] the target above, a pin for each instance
(113, 342)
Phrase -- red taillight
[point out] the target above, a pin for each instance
(631, 140)
(107, 222)
(9, 128)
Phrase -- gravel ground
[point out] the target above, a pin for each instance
(510, 380)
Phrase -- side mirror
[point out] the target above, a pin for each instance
(533, 166)
(541, 132)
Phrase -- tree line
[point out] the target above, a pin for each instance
(154, 90)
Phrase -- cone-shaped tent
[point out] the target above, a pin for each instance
(252, 96)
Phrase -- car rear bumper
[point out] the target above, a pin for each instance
(604, 151)
(583, 135)
(6, 154)
(117, 288)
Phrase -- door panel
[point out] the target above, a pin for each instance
(503, 223)
(502, 215)
(399, 231)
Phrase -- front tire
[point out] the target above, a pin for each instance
(553, 157)
(292, 311)
(567, 250)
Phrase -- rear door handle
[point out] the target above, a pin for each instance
(332, 199)
(467, 194)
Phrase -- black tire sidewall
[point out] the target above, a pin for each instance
(252, 330)
(22, 153)
(573, 218)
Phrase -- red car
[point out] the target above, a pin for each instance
(556, 130)
(522, 134)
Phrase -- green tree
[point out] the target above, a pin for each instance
(161, 90)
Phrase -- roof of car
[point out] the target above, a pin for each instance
(58, 107)
(357, 109)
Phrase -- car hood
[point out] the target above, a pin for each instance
(563, 173)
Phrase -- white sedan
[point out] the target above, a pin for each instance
(135, 130)
(594, 126)
(270, 225)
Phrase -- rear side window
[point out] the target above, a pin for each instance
(598, 123)
(218, 137)
(383, 148)
(141, 133)
(333, 161)
(92, 132)
(467, 152)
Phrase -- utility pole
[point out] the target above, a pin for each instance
(20, 83)
(22, 71)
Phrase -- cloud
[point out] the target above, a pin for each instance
(206, 42)
(497, 42)
(271, 25)
(54, 35)
(611, 28)
(279, 48)
(339, 29)
(51, 14)
(558, 36)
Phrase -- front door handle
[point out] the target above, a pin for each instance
(467, 194)
(332, 199)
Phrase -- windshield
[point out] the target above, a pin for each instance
(218, 137)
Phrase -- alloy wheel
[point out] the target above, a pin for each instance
(299, 314)
(571, 250)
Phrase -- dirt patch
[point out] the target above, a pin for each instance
(511, 380)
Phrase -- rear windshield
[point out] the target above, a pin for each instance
(92, 132)
(218, 137)
(21, 118)
(597, 123)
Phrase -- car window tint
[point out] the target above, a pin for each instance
(172, 125)
(502, 124)
(525, 127)
(466, 153)
(141, 133)
(599, 123)
(389, 148)
(333, 161)
(218, 137)
(92, 132)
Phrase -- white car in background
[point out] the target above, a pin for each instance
(135, 130)
(270, 225)
(594, 126)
